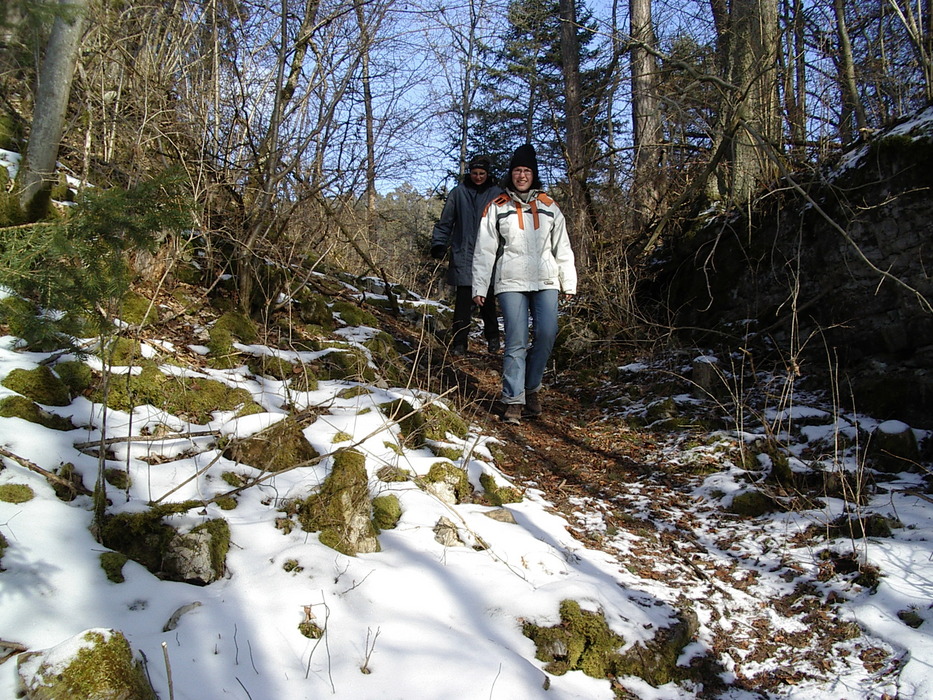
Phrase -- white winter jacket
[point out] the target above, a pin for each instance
(525, 245)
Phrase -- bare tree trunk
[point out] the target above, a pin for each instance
(646, 116)
(577, 166)
(851, 105)
(48, 120)
(795, 76)
(365, 41)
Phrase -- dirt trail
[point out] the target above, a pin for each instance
(623, 491)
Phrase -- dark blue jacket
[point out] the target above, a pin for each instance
(459, 224)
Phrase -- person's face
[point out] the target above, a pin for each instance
(521, 178)
(478, 176)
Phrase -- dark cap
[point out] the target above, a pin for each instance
(524, 157)
(480, 163)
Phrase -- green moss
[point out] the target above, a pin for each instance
(21, 407)
(581, 642)
(341, 436)
(3, 547)
(353, 315)
(440, 421)
(499, 495)
(137, 310)
(392, 474)
(456, 478)
(16, 493)
(118, 478)
(271, 366)
(451, 453)
(112, 564)
(337, 508)
(233, 479)
(230, 327)
(310, 630)
(77, 376)
(386, 511)
(280, 446)
(353, 391)
(105, 669)
(143, 537)
(432, 422)
(312, 308)
(219, 531)
(226, 502)
(292, 566)
(194, 398)
(349, 363)
(39, 384)
(752, 504)
(124, 352)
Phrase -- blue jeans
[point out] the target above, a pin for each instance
(523, 366)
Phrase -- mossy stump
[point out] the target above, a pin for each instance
(39, 384)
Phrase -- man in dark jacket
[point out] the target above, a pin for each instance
(457, 229)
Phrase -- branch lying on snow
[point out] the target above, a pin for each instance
(54, 478)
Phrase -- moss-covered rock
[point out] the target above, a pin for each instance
(112, 564)
(199, 556)
(77, 376)
(893, 447)
(143, 537)
(341, 510)
(232, 326)
(118, 478)
(39, 384)
(446, 451)
(272, 366)
(346, 362)
(440, 421)
(753, 503)
(583, 641)
(21, 407)
(391, 474)
(280, 446)
(97, 664)
(194, 398)
(499, 495)
(313, 309)
(449, 483)
(16, 493)
(137, 310)
(353, 315)
(386, 511)
(3, 547)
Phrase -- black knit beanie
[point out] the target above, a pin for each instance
(524, 157)
(481, 162)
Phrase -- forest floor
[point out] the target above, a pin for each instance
(767, 595)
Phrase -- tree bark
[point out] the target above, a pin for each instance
(575, 149)
(646, 116)
(48, 121)
(851, 105)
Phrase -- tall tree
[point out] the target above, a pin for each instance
(646, 115)
(749, 128)
(580, 215)
(852, 108)
(48, 121)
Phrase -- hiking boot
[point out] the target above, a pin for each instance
(532, 405)
(493, 346)
(513, 413)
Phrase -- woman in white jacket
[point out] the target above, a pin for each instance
(523, 248)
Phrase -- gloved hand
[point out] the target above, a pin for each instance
(438, 252)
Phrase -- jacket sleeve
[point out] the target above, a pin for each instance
(484, 253)
(442, 229)
(563, 254)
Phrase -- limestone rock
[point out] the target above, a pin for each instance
(98, 664)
